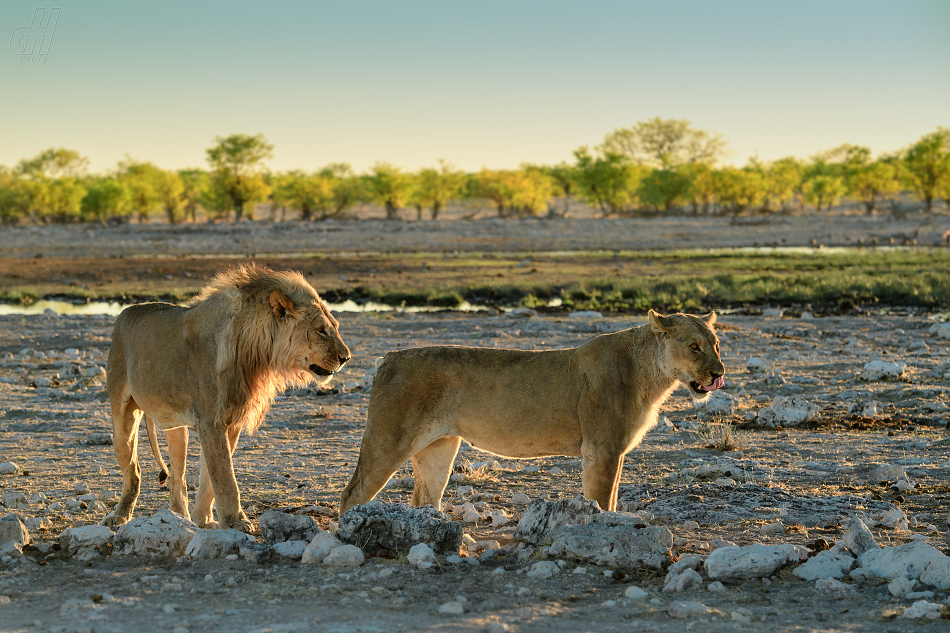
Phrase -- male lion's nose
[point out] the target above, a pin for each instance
(343, 359)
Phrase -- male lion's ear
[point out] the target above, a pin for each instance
(281, 304)
(658, 323)
(710, 318)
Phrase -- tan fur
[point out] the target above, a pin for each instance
(215, 367)
(596, 401)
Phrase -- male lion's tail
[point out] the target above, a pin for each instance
(153, 442)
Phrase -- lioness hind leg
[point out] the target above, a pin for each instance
(431, 468)
(177, 458)
(601, 476)
(376, 465)
(125, 427)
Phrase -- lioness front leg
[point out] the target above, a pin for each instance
(601, 475)
(216, 461)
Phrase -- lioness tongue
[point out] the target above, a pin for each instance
(716, 384)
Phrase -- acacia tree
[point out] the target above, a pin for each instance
(738, 190)
(236, 163)
(823, 191)
(50, 184)
(390, 187)
(872, 183)
(927, 166)
(564, 177)
(437, 186)
(140, 179)
(54, 163)
(105, 198)
(607, 181)
(663, 188)
(664, 143)
(169, 190)
(195, 184)
(782, 181)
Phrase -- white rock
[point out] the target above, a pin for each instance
(345, 556)
(555, 471)
(488, 545)
(318, 549)
(893, 518)
(208, 544)
(278, 526)
(13, 530)
(452, 608)
(756, 365)
(613, 539)
(73, 540)
(691, 526)
(632, 593)
(865, 408)
(773, 529)
(787, 411)
(544, 570)
(719, 403)
(164, 534)
(422, 556)
(910, 560)
(937, 573)
(499, 518)
(683, 609)
(901, 586)
(585, 314)
(470, 516)
(830, 585)
(682, 581)
(922, 610)
(882, 370)
(716, 587)
(9, 468)
(772, 313)
(542, 518)
(531, 468)
(859, 538)
(687, 562)
(940, 330)
(291, 549)
(752, 561)
(520, 499)
(15, 501)
(889, 473)
(716, 543)
(832, 563)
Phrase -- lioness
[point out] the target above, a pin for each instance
(214, 366)
(596, 401)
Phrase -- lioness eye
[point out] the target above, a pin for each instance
(694, 347)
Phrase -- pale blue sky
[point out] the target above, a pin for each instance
(486, 83)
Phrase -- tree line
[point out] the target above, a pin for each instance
(654, 166)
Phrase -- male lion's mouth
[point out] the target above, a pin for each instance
(320, 371)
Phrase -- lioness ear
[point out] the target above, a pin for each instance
(280, 304)
(658, 323)
(710, 318)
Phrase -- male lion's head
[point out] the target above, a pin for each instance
(690, 351)
(309, 335)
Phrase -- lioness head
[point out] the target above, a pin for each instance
(309, 335)
(691, 351)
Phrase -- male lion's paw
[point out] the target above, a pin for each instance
(112, 520)
(241, 523)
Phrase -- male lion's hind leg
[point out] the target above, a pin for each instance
(202, 513)
(601, 475)
(125, 427)
(431, 468)
(177, 457)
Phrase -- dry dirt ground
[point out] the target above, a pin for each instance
(54, 425)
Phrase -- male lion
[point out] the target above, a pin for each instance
(596, 401)
(214, 367)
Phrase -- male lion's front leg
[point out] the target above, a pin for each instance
(217, 467)
(601, 474)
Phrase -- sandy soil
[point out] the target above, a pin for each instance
(54, 425)
(304, 456)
